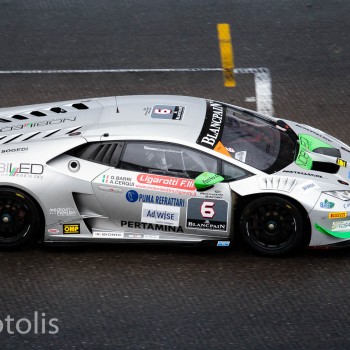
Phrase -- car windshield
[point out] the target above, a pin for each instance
(247, 138)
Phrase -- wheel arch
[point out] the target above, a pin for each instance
(36, 201)
(242, 201)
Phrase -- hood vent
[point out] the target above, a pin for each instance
(41, 113)
(19, 117)
(280, 183)
(58, 110)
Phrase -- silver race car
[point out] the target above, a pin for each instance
(169, 169)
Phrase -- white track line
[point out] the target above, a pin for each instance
(262, 79)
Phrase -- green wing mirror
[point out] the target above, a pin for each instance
(207, 180)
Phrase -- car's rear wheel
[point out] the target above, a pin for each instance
(272, 225)
(19, 218)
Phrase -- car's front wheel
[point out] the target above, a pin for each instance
(19, 218)
(272, 225)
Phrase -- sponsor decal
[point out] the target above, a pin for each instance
(37, 124)
(207, 214)
(118, 180)
(314, 132)
(53, 231)
(339, 226)
(338, 215)
(341, 162)
(217, 194)
(12, 150)
(241, 156)
(166, 181)
(231, 150)
(151, 236)
(69, 229)
(167, 112)
(223, 244)
(147, 226)
(132, 196)
(308, 185)
(27, 170)
(62, 211)
(213, 125)
(107, 234)
(301, 173)
(160, 214)
(135, 236)
(150, 198)
(326, 204)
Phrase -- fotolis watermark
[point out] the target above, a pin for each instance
(39, 324)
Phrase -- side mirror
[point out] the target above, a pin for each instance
(207, 180)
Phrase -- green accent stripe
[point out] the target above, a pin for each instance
(345, 234)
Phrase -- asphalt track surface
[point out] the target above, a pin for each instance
(128, 297)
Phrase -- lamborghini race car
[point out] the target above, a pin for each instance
(169, 169)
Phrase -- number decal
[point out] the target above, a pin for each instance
(162, 111)
(207, 210)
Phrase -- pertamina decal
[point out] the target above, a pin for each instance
(206, 214)
(152, 227)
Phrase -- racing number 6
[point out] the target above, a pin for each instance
(162, 111)
(207, 210)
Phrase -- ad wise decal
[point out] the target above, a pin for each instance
(160, 214)
(166, 181)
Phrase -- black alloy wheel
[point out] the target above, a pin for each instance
(19, 218)
(272, 225)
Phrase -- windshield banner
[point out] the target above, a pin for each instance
(213, 125)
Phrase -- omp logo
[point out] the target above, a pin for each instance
(71, 228)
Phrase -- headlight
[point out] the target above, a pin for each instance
(343, 195)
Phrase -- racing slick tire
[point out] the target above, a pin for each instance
(19, 219)
(272, 226)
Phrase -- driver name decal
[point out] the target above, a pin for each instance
(213, 125)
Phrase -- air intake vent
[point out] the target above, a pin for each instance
(58, 110)
(280, 183)
(19, 117)
(80, 106)
(4, 120)
(38, 114)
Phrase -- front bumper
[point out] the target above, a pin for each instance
(330, 221)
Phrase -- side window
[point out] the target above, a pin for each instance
(107, 153)
(166, 159)
(231, 172)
